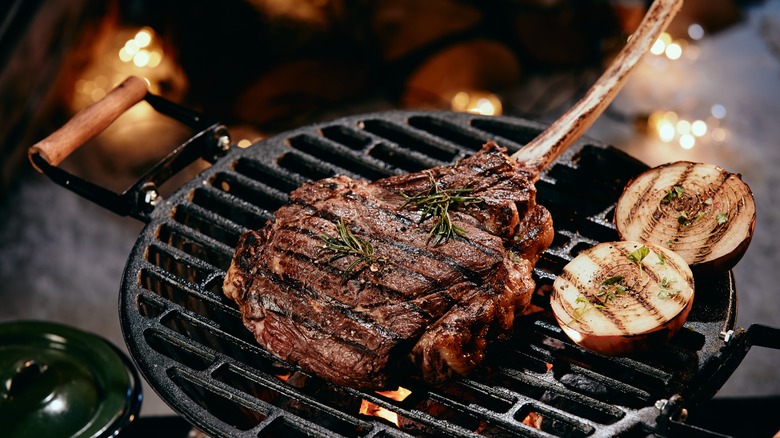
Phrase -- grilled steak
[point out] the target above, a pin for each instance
(409, 298)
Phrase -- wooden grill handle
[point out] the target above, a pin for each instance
(565, 131)
(89, 122)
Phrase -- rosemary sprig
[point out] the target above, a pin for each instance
(436, 204)
(346, 244)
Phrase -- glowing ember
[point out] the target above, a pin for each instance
(283, 377)
(549, 366)
(533, 419)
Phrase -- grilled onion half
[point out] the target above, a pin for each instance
(700, 211)
(620, 298)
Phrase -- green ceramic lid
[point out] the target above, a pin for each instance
(60, 381)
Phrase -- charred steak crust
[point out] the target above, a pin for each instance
(433, 306)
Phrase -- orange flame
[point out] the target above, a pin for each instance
(283, 377)
(371, 409)
(368, 408)
(399, 394)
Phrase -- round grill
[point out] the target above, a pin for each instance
(189, 342)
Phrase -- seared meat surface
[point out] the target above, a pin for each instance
(411, 303)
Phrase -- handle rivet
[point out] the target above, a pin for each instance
(151, 197)
(223, 142)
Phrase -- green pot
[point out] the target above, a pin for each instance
(58, 381)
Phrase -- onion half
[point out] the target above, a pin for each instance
(700, 211)
(620, 298)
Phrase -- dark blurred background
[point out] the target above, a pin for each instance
(262, 66)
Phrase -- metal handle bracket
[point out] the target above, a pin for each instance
(210, 142)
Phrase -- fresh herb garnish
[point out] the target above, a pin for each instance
(685, 220)
(666, 292)
(722, 218)
(583, 306)
(638, 255)
(673, 193)
(610, 288)
(661, 259)
(682, 219)
(347, 244)
(436, 204)
(612, 280)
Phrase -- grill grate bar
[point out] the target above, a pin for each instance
(406, 137)
(270, 174)
(460, 134)
(227, 206)
(264, 197)
(204, 222)
(179, 292)
(331, 151)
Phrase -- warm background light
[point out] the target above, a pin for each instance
(477, 102)
(671, 127)
(672, 49)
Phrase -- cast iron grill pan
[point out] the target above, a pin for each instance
(189, 343)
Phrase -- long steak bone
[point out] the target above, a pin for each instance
(393, 297)
(542, 150)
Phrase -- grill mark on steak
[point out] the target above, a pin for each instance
(285, 308)
(416, 248)
(508, 186)
(490, 173)
(316, 257)
(389, 291)
(405, 216)
(287, 284)
(434, 288)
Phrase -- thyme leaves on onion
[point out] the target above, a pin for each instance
(666, 291)
(583, 306)
(661, 259)
(435, 204)
(672, 194)
(610, 288)
(638, 255)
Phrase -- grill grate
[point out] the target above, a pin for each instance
(190, 344)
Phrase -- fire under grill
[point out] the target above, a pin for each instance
(189, 342)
